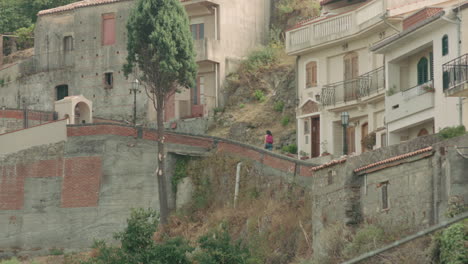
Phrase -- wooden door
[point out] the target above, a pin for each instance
(351, 140)
(351, 72)
(315, 137)
(364, 133)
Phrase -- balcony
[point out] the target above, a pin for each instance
(207, 49)
(332, 28)
(409, 102)
(49, 62)
(366, 85)
(455, 77)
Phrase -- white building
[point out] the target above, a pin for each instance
(338, 73)
(415, 104)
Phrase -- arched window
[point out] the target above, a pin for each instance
(423, 132)
(423, 71)
(311, 74)
(445, 47)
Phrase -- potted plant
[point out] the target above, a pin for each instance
(324, 145)
(428, 88)
(304, 155)
(369, 140)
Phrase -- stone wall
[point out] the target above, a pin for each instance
(14, 119)
(85, 187)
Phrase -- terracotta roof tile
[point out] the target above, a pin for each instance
(329, 164)
(80, 4)
(395, 158)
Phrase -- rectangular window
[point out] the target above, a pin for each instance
(311, 74)
(383, 140)
(68, 43)
(198, 31)
(384, 186)
(306, 127)
(108, 79)
(108, 29)
(61, 91)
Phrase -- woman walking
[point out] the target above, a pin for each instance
(268, 140)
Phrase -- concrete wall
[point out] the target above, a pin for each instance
(48, 133)
(86, 186)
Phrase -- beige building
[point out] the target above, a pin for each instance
(80, 48)
(415, 103)
(337, 73)
(455, 72)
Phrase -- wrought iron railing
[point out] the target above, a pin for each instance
(349, 90)
(455, 72)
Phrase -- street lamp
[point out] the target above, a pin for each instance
(135, 88)
(344, 123)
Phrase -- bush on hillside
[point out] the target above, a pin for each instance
(138, 246)
(449, 245)
(451, 132)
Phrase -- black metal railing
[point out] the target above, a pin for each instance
(349, 90)
(455, 72)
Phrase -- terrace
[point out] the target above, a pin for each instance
(333, 28)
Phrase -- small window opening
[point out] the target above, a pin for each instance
(68, 43)
(108, 79)
(61, 91)
(395, 106)
(384, 188)
(330, 178)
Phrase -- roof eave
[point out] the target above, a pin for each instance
(381, 46)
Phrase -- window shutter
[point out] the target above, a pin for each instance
(355, 65)
(431, 58)
(308, 75)
(314, 74)
(422, 71)
(108, 29)
(445, 48)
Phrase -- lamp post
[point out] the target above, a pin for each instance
(344, 123)
(135, 88)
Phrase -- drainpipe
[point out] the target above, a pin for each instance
(216, 21)
(236, 190)
(457, 21)
(216, 84)
(296, 77)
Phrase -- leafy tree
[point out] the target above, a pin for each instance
(161, 46)
(12, 16)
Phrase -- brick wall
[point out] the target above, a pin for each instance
(81, 182)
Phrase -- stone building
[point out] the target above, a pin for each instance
(338, 73)
(415, 103)
(80, 48)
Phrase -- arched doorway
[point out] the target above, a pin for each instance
(423, 132)
(82, 113)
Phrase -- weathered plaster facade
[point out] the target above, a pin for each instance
(71, 56)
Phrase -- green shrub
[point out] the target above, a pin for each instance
(452, 242)
(138, 246)
(451, 132)
(25, 37)
(217, 247)
(259, 95)
(278, 107)
(285, 121)
(11, 261)
(366, 239)
(180, 171)
(2, 82)
(218, 110)
(241, 105)
(261, 58)
(56, 251)
(290, 149)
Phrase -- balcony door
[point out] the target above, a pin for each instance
(364, 133)
(351, 139)
(315, 137)
(351, 72)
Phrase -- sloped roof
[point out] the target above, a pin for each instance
(80, 4)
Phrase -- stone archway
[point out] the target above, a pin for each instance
(82, 113)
